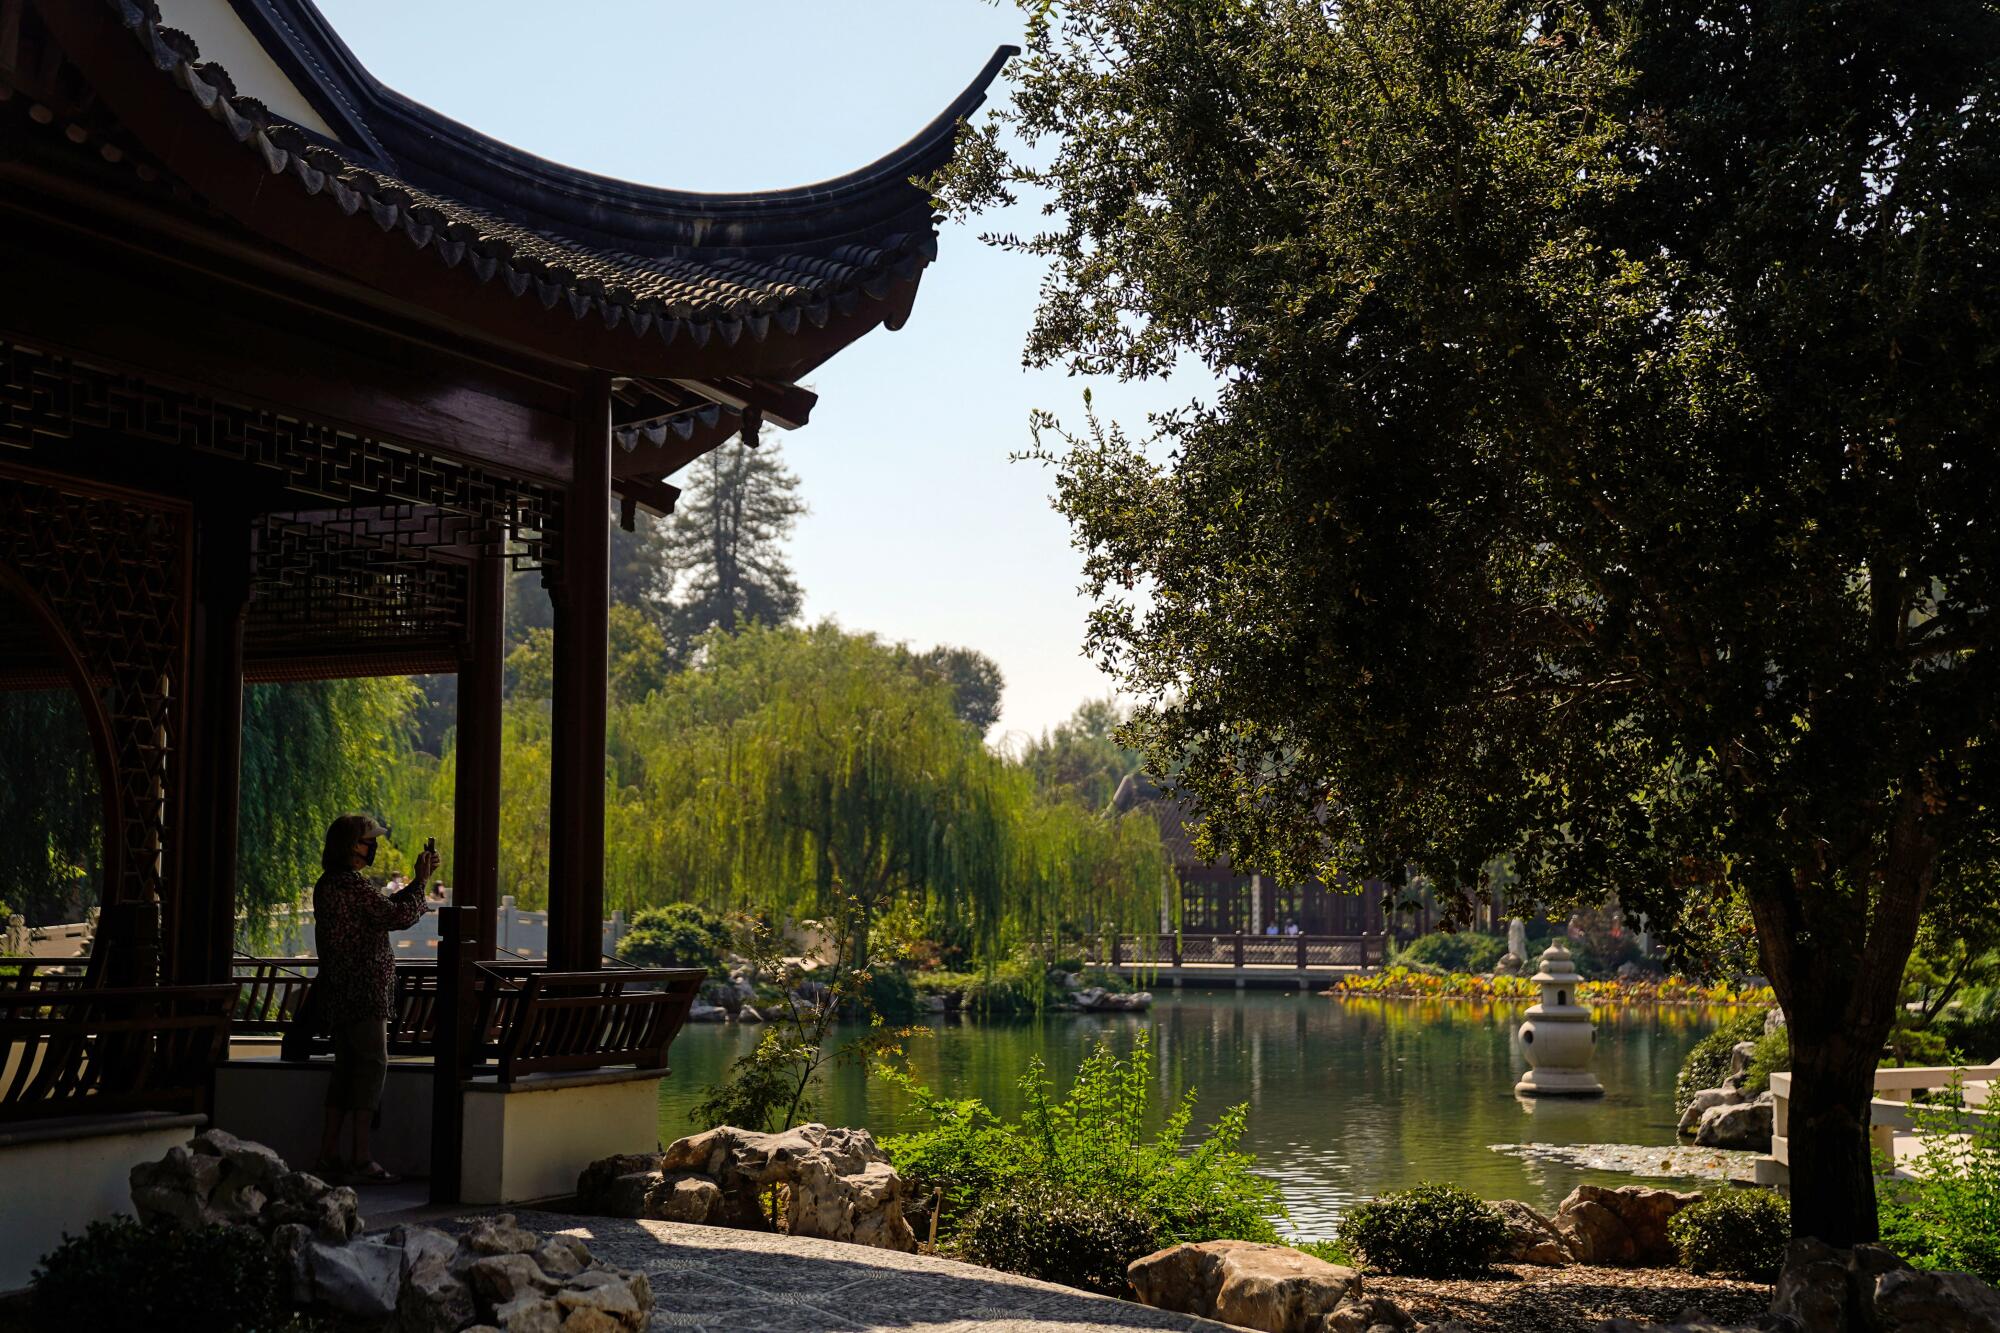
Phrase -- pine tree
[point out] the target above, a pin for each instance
(724, 546)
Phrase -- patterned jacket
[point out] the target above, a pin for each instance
(351, 922)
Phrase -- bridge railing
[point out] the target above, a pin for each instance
(1303, 952)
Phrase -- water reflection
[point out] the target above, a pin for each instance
(1347, 1098)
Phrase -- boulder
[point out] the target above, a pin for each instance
(501, 1279)
(218, 1178)
(1095, 999)
(1739, 1058)
(1702, 1102)
(1821, 1288)
(749, 1014)
(1740, 1125)
(703, 1012)
(685, 1196)
(840, 1184)
(330, 1212)
(1624, 1227)
(530, 1314)
(498, 1235)
(1774, 1018)
(362, 1278)
(1367, 1314)
(1906, 1301)
(1531, 1238)
(563, 1256)
(617, 1186)
(1268, 1287)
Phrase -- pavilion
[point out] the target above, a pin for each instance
(293, 371)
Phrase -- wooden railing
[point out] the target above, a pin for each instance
(42, 974)
(94, 1051)
(1238, 950)
(1889, 1112)
(566, 1021)
(526, 1019)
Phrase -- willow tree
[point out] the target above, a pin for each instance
(1600, 464)
(796, 771)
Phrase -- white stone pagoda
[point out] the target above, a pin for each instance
(1558, 1035)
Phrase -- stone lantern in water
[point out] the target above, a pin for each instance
(1558, 1036)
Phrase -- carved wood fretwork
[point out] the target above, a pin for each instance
(46, 394)
(113, 570)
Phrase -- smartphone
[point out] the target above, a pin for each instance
(431, 845)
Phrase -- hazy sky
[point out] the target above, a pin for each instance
(920, 528)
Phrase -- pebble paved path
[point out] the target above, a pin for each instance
(721, 1281)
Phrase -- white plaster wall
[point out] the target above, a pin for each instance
(282, 1107)
(60, 1185)
(223, 39)
(523, 1145)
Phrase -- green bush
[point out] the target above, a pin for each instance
(677, 935)
(1014, 987)
(1947, 1214)
(1772, 1056)
(1094, 1143)
(1044, 1230)
(890, 994)
(1734, 1233)
(125, 1274)
(1103, 979)
(1460, 951)
(1707, 1062)
(1430, 1231)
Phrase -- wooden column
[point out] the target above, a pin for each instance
(475, 843)
(451, 1057)
(576, 781)
(203, 931)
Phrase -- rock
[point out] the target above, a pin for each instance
(1774, 1018)
(1622, 1228)
(530, 1314)
(748, 1014)
(501, 1279)
(1268, 1287)
(841, 1185)
(933, 1004)
(288, 1254)
(499, 1235)
(1739, 1057)
(684, 1196)
(1703, 1101)
(360, 1277)
(1821, 1288)
(247, 1161)
(1906, 1301)
(1531, 1238)
(434, 1300)
(1742, 1125)
(176, 1188)
(1367, 1314)
(562, 1256)
(1095, 999)
(331, 1212)
(702, 1012)
(617, 1186)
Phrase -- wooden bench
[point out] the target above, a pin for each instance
(88, 1051)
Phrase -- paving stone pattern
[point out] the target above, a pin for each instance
(722, 1281)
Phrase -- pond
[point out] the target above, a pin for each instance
(1347, 1098)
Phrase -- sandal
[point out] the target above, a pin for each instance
(373, 1173)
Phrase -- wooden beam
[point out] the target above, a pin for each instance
(475, 843)
(204, 899)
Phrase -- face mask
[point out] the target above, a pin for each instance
(369, 859)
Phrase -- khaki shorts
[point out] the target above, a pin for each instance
(360, 1065)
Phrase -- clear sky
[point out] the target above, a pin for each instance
(920, 528)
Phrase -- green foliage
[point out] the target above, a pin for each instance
(1457, 951)
(1095, 1143)
(1044, 1230)
(889, 994)
(1522, 512)
(723, 550)
(973, 678)
(776, 1085)
(1772, 1056)
(1947, 1215)
(1431, 1230)
(124, 1274)
(1332, 1251)
(1707, 1062)
(1733, 1232)
(677, 935)
(313, 751)
(1081, 760)
(1011, 987)
(51, 818)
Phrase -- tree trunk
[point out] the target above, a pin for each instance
(1833, 1080)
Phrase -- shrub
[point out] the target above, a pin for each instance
(888, 992)
(1041, 1229)
(1947, 1214)
(1432, 1230)
(677, 935)
(1707, 1062)
(1460, 951)
(126, 1274)
(1094, 1143)
(1734, 1233)
(1772, 1056)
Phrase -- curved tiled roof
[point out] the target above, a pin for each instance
(766, 266)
